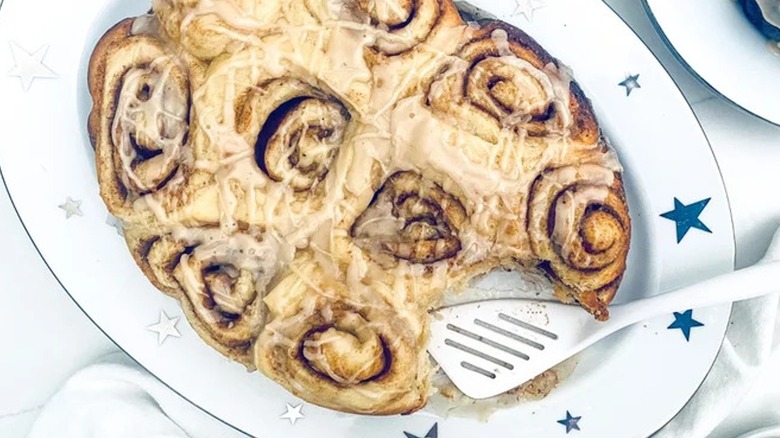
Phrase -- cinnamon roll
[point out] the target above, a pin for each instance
(309, 178)
(580, 230)
(411, 219)
(220, 282)
(139, 123)
(503, 80)
(354, 354)
(272, 141)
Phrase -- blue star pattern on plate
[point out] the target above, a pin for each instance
(29, 66)
(687, 217)
(631, 83)
(685, 322)
(433, 433)
(570, 422)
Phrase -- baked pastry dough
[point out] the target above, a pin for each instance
(310, 177)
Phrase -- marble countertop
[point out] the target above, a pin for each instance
(38, 355)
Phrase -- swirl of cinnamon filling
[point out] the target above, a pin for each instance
(406, 23)
(300, 137)
(341, 354)
(348, 351)
(221, 282)
(503, 80)
(411, 218)
(139, 123)
(293, 129)
(579, 227)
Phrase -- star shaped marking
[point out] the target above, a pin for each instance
(685, 322)
(631, 83)
(527, 8)
(433, 433)
(71, 208)
(687, 217)
(29, 66)
(570, 422)
(165, 327)
(293, 413)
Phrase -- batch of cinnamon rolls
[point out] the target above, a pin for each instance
(309, 178)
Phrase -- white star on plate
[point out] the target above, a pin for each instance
(72, 208)
(117, 223)
(527, 8)
(166, 327)
(30, 66)
(293, 413)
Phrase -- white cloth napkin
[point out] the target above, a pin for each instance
(746, 350)
(751, 342)
(115, 398)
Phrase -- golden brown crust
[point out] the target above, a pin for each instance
(96, 72)
(139, 123)
(96, 80)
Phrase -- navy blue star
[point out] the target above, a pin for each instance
(685, 322)
(570, 422)
(687, 217)
(631, 83)
(433, 433)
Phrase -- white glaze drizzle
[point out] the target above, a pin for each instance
(160, 120)
(390, 129)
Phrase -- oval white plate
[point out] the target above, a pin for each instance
(629, 385)
(719, 45)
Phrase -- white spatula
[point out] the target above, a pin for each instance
(490, 347)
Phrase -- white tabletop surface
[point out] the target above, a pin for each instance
(39, 354)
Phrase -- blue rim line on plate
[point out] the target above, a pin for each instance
(694, 73)
(717, 164)
(728, 202)
(29, 236)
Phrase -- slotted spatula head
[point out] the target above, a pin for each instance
(490, 347)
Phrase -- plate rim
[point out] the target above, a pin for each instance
(668, 74)
(720, 172)
(94, 323)
(689, 68)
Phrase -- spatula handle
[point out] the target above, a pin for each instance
(755, 281)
